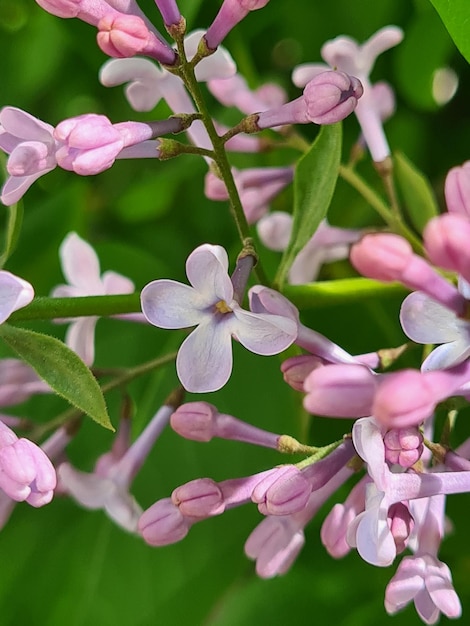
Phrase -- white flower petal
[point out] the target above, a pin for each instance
(426, 321)
(90, 490)
(15, 293)
(170, 304)
(115, 283)
(80, 337)
(217, 65)
(144, 77)
(207, 271)
(123, 509)
(447, 355)
(80, 265)
(204, 361)
(262, 333)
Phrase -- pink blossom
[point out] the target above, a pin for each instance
(18, 382)
(15, 293)
(31, 146)
(348, 56)
(25, 471)
(204, 361)
(109, 489)
(81, 268)
(235, 92)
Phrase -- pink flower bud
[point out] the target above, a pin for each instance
(284, 491)
(163, 524)
(403, 446)
(446, 240)
(199, 498)
(340, 391)
(331, 96)
(25, 471)
(124, 36)
(296, 369)
(194, 420)
(457, 189)
(401, 525)
(389, 257)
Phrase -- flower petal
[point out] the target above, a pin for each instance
(204, 361)
(426, 321)
(169, 304)
(80, 265)
(15, 293)
(80, 337)
(90, 490)
(262, 333)
(207, 271)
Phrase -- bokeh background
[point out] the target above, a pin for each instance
(63, 565)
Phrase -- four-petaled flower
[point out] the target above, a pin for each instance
(204, 361)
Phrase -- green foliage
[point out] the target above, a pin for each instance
(315, 178)
(61, 368)
(454, 14)
(417, 192)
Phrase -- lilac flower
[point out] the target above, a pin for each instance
(15, 293)
(257, 187)
(234, 92)
(26, 473)
(347, 56)
(109, 489)
(31, 146)
(18, 382)
(275, 543)
(423, 578)
(328, 98)
(204, 361)
(81, 268)
(328, 244)
(457, 189)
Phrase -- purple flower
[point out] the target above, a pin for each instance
(346, 55)
(81, 268)
(15, 293)
(31, 146)
(108, 488)
(25, 471)
(204, 361)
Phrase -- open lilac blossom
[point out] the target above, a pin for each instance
(147, 83)
(422, 578)
(235, 92)
(257, 187)
(26, 472)
(328, 244)
(81, 268)
(204, 361)
(109, 489)
(371, 531)
(346, 55)
(18, 382)
(31, 146)
(15, 293)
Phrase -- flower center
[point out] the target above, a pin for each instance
(222, 307)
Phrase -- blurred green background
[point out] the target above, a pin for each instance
(63, 565)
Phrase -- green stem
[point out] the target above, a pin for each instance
(220, 156)
(340, 291)
(390, 218)
(122, 379)
(321, 453)
(43, 308)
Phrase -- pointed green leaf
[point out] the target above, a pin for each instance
(61, 368)
(314, 183)
(418, 195)
(456, 17)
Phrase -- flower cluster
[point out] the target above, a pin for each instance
(398, 460)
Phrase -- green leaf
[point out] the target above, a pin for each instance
(61, 368)
(314, 183)
(456, 16)
(418, 195)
